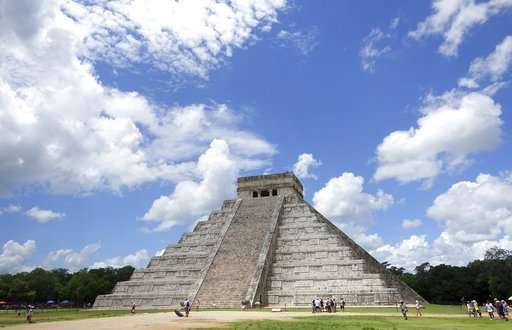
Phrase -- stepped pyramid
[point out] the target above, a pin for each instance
(268, 247)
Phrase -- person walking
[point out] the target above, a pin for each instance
(469, 308)
(133, 308)
(342, 305)
(29, 313)
(476, 309)
(403, 309)
(418, 308)
(490, 309)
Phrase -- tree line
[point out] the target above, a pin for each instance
(442, 284)
(481, 280)
(81, 288)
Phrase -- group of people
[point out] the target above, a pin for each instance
(500, 307)
(403, 308)
(326, 305)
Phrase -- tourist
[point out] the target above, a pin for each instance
(469, 307)
(403, 309)
(188, 307)
(334, 304)
(505, 310)
(490, 310)
(476, 309)
(133, 308)
(328, 305)
(418, 308)
(318, 307)
(29, 313)
(313, 305)
(322, 304)
(342, 305)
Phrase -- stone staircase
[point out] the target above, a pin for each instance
(236, 263)
(177, 274)
(312, 258)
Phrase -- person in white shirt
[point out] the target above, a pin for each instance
(418, 308)
(490, 309)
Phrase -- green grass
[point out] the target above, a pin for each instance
(350, 322)
(372, 323)
(433, 309)
(12, 318)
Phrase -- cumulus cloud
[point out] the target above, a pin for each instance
(452, 127)
(417, 249)
(474, 216)
(455, 18)
(14, 256)
(65, 131)
(493, 67)
(304, 164)
(373, 48)
(477, 210)
(70, 259)
(411, 223)
(304, 41)
(343, 201)
(408, 253)
(43, 216)
(190, 199)
(138, 260)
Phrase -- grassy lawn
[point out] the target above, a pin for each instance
(11, 318)
(372, 323)
(351, 322)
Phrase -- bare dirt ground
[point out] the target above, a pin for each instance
(161, 321)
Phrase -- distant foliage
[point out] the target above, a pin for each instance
(39, 286)
(480, 279)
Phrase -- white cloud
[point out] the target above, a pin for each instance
(474, 216)
(178, 36)
(10, 209)
(493, 67)
(70, 259)
(416, 250)
(138, 260)
(303, 165)
(343, 201)
(305, 41)
(191, 200)
(63, 130)
(14, 255)
(477, 210)
(453, 127)
(373, 48)
(43, 216)
(409, 253)
(394, 23)
(411, 223)
(454, 18)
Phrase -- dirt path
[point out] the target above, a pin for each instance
(161, 321)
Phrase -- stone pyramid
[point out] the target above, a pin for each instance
(269, 247)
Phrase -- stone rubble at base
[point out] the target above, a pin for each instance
(267, 248)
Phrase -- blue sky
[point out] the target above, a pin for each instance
(126, 122)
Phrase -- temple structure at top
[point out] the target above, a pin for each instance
(268, 247)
